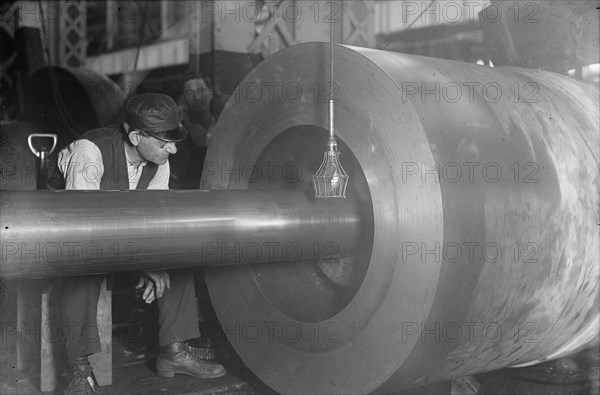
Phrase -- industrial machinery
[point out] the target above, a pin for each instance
(468, 240)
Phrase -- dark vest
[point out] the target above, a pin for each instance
(112, 146)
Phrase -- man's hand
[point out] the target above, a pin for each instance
(154, 283)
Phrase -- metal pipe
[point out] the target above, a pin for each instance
(50, 233)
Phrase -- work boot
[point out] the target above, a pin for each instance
(178, 358)
(78, 379)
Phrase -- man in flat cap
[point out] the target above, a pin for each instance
(133, 155)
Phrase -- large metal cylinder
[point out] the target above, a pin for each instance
(476, 194)
(70, 101)
(484, 247)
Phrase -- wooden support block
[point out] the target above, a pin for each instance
(28, 325)
(40, 346)
(51, 342)
(102, 362)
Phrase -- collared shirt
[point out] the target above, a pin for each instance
(82, 167)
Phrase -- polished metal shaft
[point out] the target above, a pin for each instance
(47, 233)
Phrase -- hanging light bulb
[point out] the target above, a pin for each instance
(330, 180)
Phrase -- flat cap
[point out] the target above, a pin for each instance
(155, 114)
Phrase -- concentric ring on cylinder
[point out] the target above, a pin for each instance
(289, 349)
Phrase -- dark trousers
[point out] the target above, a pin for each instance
(177, 314)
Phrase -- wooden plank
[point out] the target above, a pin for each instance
(39, 343)
(102, 362)
(51, 342)
(28, 324)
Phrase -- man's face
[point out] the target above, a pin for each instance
(197, 95)
(154, 150)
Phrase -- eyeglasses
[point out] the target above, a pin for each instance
(161, 145)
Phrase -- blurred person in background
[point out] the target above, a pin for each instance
(200, 105)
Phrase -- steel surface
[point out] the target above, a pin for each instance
(69, 101)
(482, 185)
(66, 233)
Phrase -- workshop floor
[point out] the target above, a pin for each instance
(133, 355)
(133, 371)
